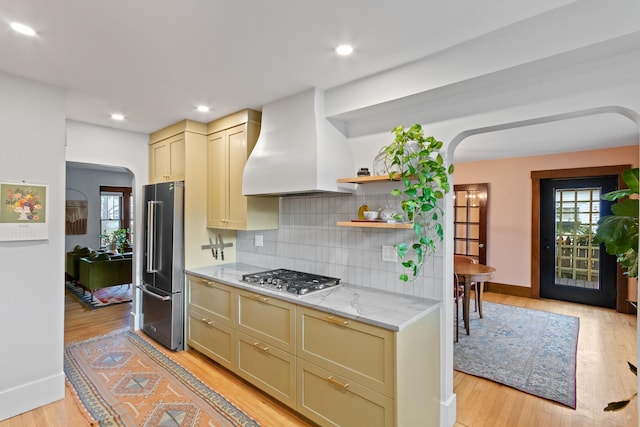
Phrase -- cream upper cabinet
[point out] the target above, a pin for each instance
(167, 161)
(230, 141)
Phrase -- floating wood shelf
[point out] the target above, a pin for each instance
(368, 179)
(364, 224)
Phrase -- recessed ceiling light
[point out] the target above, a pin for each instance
(23, 29)
(203, 108)
(117, 116)
(344, 49)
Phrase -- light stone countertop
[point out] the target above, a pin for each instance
(380, 308)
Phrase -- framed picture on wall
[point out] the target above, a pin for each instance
(77, 213)
(23, 215)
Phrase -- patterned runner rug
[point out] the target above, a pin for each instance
(102, 297)
(123, 380)
(529, 350)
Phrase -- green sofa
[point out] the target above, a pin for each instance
(72, 262)
(104, 270)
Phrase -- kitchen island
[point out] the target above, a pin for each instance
(347, 355)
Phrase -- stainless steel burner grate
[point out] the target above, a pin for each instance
(294, 282)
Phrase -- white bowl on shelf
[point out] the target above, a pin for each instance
(370, 215)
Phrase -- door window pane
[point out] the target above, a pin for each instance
(577, 215)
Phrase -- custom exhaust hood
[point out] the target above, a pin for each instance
(298, 151)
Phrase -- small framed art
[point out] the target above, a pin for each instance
(23, 214)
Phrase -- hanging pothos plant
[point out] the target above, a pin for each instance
(416, 161)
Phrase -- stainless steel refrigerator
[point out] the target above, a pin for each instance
(163, 264)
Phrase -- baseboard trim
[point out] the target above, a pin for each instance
(448, 411)
(522, 291)
(26, 397)
(501, 288)
(135, 321)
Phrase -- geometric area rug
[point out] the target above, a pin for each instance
(123, 380)
(101, 297)
(530, 350)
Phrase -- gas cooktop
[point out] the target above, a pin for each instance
(294, 282)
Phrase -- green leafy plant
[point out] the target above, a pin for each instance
(619, 231)
(417, 162)
(621, 404)
(119, 238)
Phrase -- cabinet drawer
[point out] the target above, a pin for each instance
(352, 349)
(216, 299)
(332, 400)
(269, 319)
(211, 338)
(267, 367)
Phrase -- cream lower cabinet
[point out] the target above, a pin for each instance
(267, 367)
(269, 319)
(332, 400)
(211, 313)
(266, 344)
(211, 338)
(333, 370)
(352, 373)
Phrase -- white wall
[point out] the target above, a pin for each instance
(129, 150)
(32, 135)
(84, 184)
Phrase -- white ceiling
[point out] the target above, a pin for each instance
(573, 134)
(154, 61)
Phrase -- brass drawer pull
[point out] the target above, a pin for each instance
(260, 298)
(204, 282)
(337, 321)
(258, 345)
(207, 321)
(337, 383)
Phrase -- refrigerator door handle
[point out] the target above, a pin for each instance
(152, 294)
(151, 234)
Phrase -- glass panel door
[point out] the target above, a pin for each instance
(577, 258)
(470, 221)
(572, 268)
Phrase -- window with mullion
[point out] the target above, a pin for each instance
(115, 210)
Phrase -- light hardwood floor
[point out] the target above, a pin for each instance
(607, 340)
(81, 324)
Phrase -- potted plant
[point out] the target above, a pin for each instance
(619, 233)
(116, 240)
(416, 161)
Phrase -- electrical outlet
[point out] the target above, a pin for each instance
(389, 253)
(258, 241)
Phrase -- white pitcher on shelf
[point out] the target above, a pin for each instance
(387, 214)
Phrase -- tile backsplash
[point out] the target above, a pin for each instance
(309, 240)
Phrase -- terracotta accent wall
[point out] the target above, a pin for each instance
(509, 221)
